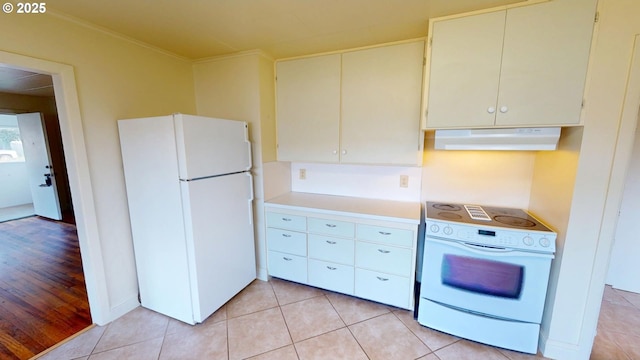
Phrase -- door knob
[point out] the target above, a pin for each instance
(47, 181)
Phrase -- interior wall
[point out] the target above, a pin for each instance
(240, 87)
(365, 181)
(572, 312)
(496, 178)
(552, 188)
(114, 79)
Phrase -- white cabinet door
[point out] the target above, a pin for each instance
(544, 63)
(308, 108)
(525, 66)
(465, 70)
(381, 94)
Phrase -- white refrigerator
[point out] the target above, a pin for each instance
(190, 196)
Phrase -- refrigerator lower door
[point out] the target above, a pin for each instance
(220, 239)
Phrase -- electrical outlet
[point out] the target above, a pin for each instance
(404, 181)
(303, 174)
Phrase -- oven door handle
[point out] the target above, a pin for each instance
(484, 250)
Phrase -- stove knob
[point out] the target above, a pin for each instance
(448, 230)
(434, 228)
(527, 240)
(544, 242)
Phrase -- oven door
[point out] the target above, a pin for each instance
(502, 283)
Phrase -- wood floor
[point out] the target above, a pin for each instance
(43, 299)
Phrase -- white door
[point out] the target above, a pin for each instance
(40, 171)
(625, 251)
(626, 247)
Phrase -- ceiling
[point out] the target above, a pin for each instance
(17, 81)
(200, 29)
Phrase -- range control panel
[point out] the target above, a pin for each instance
(537, 241)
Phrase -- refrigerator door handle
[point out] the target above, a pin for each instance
(250, 200)
(246, 137)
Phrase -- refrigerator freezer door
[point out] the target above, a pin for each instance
(220, 239)
(209, 147)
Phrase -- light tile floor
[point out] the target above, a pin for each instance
(618, 326)
(283, 320)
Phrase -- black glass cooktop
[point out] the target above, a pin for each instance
(484, 215)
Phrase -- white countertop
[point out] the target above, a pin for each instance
(404, 211)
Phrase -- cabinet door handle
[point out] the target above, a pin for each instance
(330, 225)
(286, 235)
(491, 109)
(504, 109)
(384, 233)
(330, 242)
(287, 259)
(382, 279)
(286, 219)
(384, 251)
(331, 268)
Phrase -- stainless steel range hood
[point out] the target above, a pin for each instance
(498, 139)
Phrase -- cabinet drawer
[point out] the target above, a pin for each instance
(385, 235)
(385, 288)
(290, 242)
(287, 266)
(331, 249)
(331, 276)
(383, 258)
(331, 227)
(286, 221)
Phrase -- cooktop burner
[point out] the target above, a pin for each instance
(484, 216)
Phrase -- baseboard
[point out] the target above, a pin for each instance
(554, 349)
(121, 309)
(261, 274)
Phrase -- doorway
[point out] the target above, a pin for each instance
(81, 192)
(43, 293)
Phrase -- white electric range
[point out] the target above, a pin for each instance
(485, 273)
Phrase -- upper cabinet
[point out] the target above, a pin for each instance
(520, 66)
(356, 107)
(308, 109)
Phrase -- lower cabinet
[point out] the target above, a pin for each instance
(352, 254)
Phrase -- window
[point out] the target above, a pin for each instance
(10, 142)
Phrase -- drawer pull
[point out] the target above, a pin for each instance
(384, 251)
(384, 233)
(331, 268)
(286, 219)
(330, 242)
(382, 279)
(286, 235)
(286, 258)
(330, 225)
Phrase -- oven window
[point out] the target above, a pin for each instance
(482, 276)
